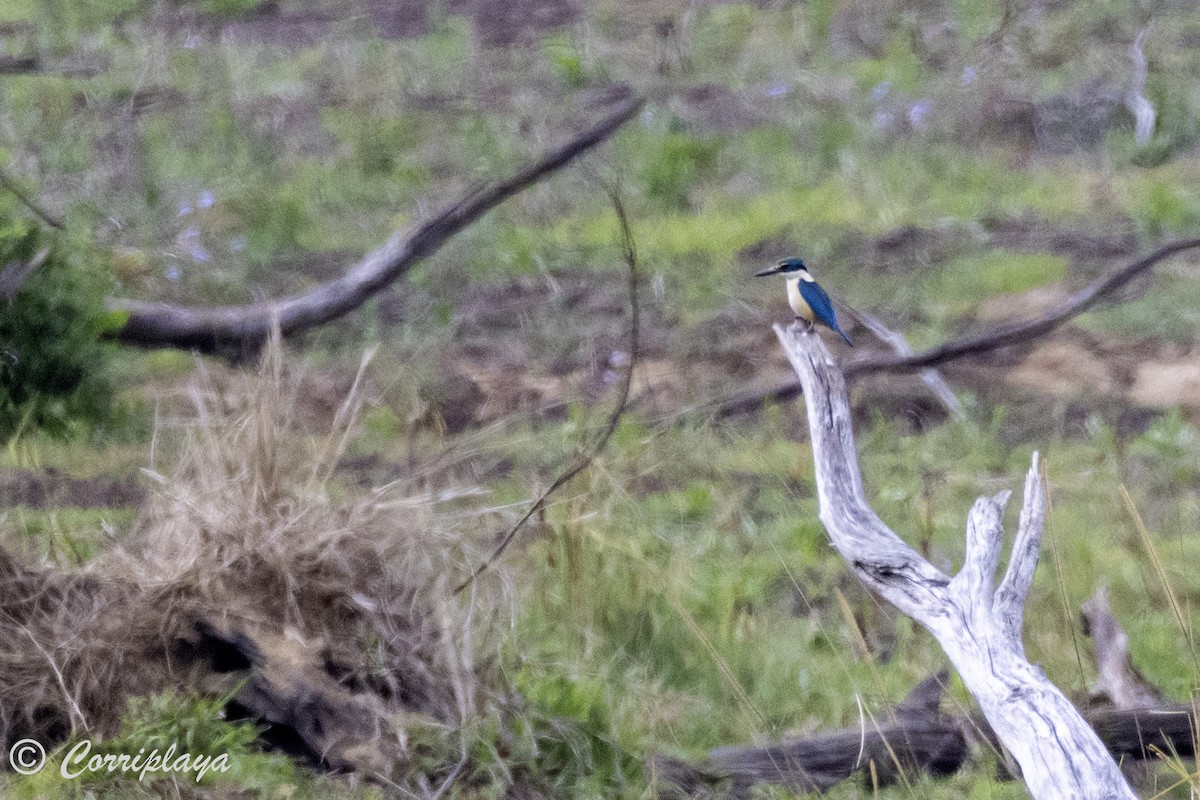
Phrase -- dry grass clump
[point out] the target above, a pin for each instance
(335, 619)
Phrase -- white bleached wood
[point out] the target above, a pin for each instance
(978, 627)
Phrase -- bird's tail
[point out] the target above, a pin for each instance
(842, 334)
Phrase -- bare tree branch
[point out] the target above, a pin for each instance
(1059, 754)
(630, 253)
(1025, 330)
(1001, 336)
(1119, 680)
(1136, 101)
(895, 340)
(233, 327)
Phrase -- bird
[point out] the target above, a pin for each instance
(805, 295)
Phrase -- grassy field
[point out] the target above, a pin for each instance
(946, 165)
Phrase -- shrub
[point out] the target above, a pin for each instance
(53, 362)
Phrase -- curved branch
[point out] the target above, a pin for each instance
(1060, 756)
(211, 329)
(1025, 330)
(993, 339)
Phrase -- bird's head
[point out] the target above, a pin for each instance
(789, 266)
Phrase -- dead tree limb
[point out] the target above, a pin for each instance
(929, 376)
(1140, 725)
(1120, 682)
(977, 623)
(232, 328)
(1022, 331)
(9, 183)
(915, 736)
(1136, 101)
(986, 341)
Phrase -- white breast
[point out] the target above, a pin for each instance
(796, 300)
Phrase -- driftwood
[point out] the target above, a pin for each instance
(977, 623)
(237, 328)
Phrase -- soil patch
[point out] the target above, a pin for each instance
(52, 488)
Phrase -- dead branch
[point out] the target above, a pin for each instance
(631, 262)
(1136, 101)
(977, 623)
(1119, 680)
(914, 736)
(234, 328)
(1001, 336)
(1141, 725)
(10, 184)
(13, 276)
(1023, 331)
(930, 376)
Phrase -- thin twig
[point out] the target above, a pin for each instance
(8, 183)
(585, 460)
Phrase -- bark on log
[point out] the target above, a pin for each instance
(915, 736)
(234, 329)
(977, 623)
(1140, 726)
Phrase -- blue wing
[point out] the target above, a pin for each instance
(822, 308)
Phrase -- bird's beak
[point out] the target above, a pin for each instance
(769, 271)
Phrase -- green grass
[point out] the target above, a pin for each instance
(681, 594)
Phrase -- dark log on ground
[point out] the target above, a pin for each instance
(912, 737)
(1141, 727)
(297, 706)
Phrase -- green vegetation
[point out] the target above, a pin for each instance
(681, 593)
(53, 374)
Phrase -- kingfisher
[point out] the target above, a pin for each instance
(805, 295)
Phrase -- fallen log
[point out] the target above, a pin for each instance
(1137, 726)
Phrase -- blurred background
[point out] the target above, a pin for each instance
(946, 165)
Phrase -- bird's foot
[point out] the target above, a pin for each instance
(808, 325)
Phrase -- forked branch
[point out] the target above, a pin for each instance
(976, 623)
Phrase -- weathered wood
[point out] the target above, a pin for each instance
(1120, 682)
(914, 736)
(900, 346)
(977, 624)
(1141, 726)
